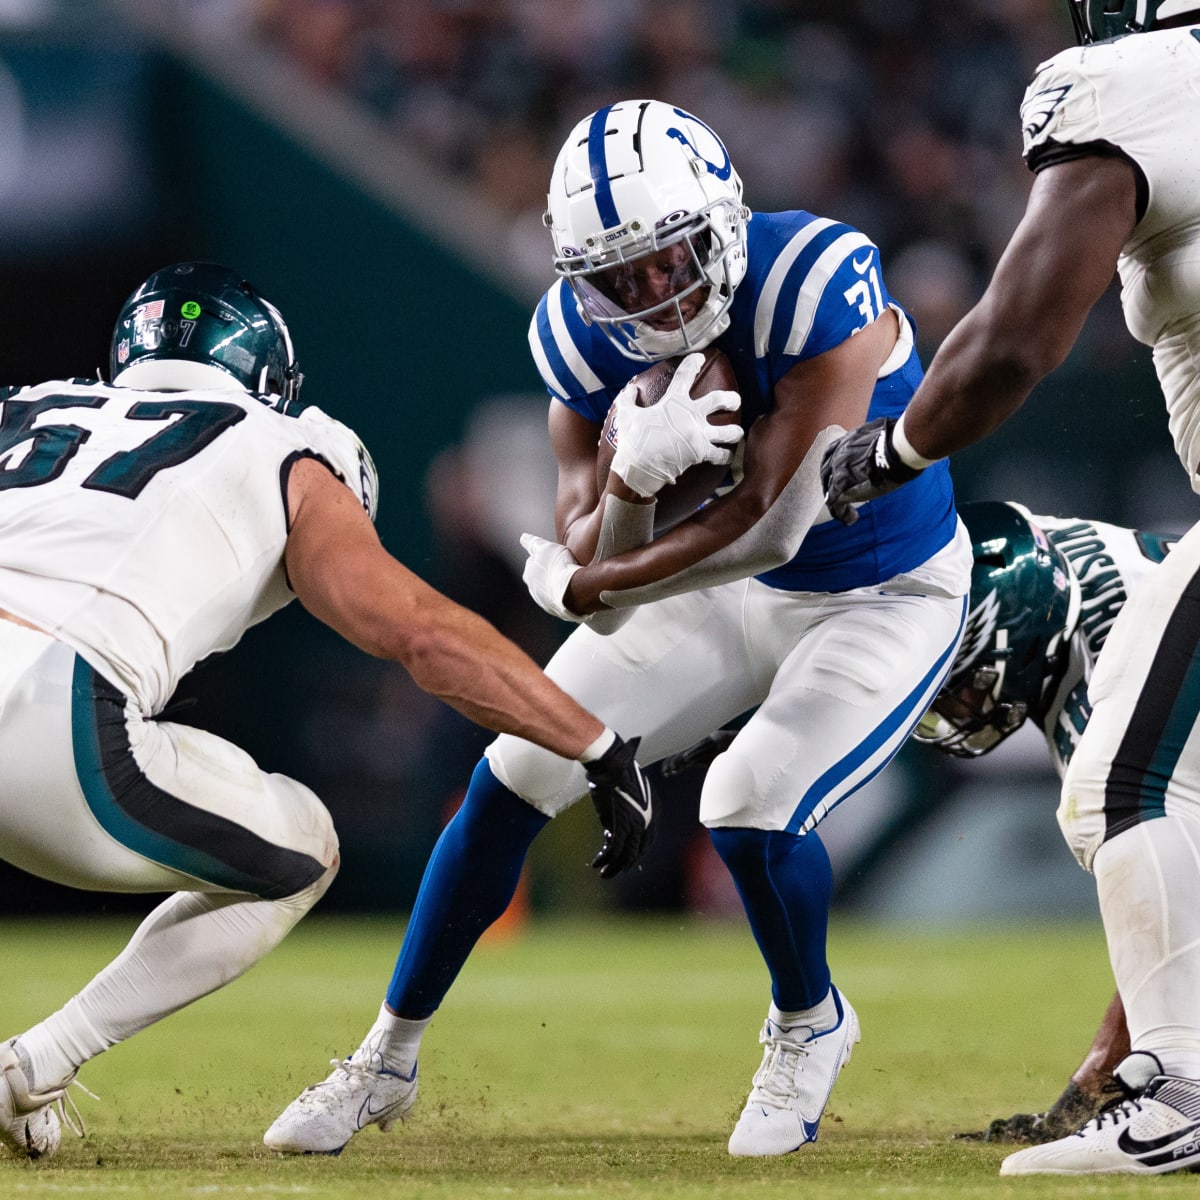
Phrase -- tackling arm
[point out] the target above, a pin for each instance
(342, 574)
(1058, 263)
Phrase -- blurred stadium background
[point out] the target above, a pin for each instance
(378, 168)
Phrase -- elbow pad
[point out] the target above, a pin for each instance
(623, 526)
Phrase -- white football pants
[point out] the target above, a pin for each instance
(94, 795)
(1130, 807)
(840, 681)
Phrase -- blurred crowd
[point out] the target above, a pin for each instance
(897, 117)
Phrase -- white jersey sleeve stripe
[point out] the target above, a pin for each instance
(542, 363)
(813, 287)
(588, 380)
(764, 314)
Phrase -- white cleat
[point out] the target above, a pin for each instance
(29, 1125)
(1155, 1130)
(792, 1086)
(324, 1117)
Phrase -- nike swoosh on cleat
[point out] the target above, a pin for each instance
(1135, 1146)
(810, 1129)
(368, 1112)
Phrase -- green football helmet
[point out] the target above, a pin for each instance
(1095, 20)
(1023, 609)
(199, 325)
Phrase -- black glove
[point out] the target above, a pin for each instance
(862, 465)
(625, 806)
(699, 755)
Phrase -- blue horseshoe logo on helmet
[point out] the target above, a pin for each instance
(723, 171)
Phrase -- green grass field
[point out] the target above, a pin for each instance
(583, 1059)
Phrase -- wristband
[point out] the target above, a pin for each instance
(905, 451)
(599, 747)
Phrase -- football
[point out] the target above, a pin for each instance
(698, 483)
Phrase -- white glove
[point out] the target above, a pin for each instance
(656, 445)
(547, 573)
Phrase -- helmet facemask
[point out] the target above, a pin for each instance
(970, 719)
(1024, 607)
(708, 253)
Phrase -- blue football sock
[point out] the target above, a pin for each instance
(469, 880)
(785, 883)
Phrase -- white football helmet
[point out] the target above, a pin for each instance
(633, 181)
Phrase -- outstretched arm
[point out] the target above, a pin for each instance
(344, 577)
(1058, 263)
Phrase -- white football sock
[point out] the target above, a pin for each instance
(820, 1018)
(190, 945)
(1148, 883)
(392, 1043)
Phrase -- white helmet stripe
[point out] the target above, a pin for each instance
(575, 362)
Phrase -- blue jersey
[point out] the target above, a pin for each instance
(810, 284)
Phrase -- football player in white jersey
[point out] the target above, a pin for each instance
(145, 524)
(841, 637)
(1112, 130)
(1045, 592)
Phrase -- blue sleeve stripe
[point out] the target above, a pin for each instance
(813, 287)
(598, 164)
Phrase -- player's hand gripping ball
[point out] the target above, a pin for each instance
(699, 479)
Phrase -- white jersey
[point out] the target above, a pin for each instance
(1139, 96)
(147, 529)
(1111, 564)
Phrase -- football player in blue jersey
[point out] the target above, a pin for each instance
(840, 636)
(1112, 130)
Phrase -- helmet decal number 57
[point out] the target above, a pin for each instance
(30, 456)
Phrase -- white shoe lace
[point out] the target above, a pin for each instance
(347, 1071)
(775, 1081)
(73, 1120)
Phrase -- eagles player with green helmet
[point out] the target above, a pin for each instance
(145, 524)
(1112, 131)
(1045, 592)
